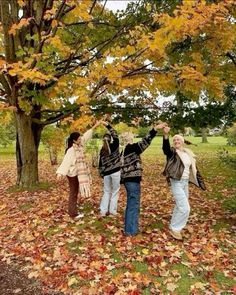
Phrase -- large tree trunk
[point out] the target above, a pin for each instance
(27, 142)
(204, 135)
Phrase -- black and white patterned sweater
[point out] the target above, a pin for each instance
(131, 170)
(111, 163)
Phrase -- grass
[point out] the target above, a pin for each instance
(221, 180)
(214, 143)
(39, 186)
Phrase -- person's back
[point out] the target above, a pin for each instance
(109, 169)
(131, 177)
(109, 158)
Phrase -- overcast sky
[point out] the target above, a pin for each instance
(117, 5)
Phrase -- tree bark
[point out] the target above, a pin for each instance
(27, 143)
(204, 135)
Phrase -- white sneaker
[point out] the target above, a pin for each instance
(176, 234)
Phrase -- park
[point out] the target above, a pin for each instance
(64, 65)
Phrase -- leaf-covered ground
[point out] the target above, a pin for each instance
(92, 256)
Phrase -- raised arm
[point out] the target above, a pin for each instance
(167, 150)
(89, 133)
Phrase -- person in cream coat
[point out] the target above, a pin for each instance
(180, 169)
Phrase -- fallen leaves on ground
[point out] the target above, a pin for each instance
(90, 255)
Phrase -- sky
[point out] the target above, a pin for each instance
(117, 5)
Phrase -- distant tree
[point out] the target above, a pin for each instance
(53, 139)
(7, 129)
(51, 51)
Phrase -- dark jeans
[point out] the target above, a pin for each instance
(132, 207)
(73, 195)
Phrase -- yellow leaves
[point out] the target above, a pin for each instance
(58, 44)
(54, 23)
(21, 3)
(24, 73)
(23, 23)
(80, 12)
(72, 281)
(145, 251)
(190, 73)
(33, 274)
(82, 123)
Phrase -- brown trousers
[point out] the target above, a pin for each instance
(73, 196)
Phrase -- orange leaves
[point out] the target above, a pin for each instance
(5, 106)
(50, 13)
(21, 3)
(24, 73)
(91, 256)
(24, 22)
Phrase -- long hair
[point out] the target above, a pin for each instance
(105, 150)
(70, 140)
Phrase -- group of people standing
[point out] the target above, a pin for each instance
(116, 167)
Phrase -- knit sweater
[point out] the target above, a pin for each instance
(109, 164)
(132, 165)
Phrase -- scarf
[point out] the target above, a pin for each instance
(193, 162)
(83, 172)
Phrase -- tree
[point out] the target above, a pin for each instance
(46, 47)
(7, 132)
(200, 117)
(53, 50)
(53, 138)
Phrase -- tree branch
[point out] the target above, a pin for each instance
(232, 57)
(62, 115)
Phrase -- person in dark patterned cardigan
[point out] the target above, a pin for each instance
(109, 169)
(131, 174)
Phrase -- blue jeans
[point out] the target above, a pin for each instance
(132, 207)
(110, 196)
(181, 210)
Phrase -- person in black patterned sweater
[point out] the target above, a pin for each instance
(109, 169)
(131, 174)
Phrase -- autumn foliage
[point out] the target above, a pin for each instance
(90, 255)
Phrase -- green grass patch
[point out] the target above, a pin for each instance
(26, 206)
(39, 186)
(75, 246)
(52, 231)
(139, 266)
(116, 255)
(158, 224)
(230, 204)
(118, 271)
(221, 224)
(186, 278)
(224, 282)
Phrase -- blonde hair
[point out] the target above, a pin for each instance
(180, 137)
